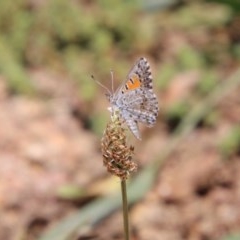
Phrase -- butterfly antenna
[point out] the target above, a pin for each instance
(100, 84)
(111, 72)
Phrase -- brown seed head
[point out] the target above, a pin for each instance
(117, 156)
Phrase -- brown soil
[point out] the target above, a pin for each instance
(43, 146)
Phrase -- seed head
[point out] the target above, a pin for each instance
(117, 155)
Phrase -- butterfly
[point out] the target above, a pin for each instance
(134, 99)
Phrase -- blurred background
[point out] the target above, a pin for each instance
(52, 115)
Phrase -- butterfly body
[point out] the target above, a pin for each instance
(134, 99)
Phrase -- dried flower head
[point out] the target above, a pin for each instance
(117, 155)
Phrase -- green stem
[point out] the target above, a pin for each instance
(125, 209)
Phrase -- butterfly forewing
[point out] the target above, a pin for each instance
(135, 99)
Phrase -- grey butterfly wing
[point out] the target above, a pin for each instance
(137, 104)
(145, 106)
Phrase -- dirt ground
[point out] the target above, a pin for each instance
(43, 146)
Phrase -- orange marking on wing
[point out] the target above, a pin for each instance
(133, 83)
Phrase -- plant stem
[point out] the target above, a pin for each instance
(125, 209)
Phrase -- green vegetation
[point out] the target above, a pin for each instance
(230, 144)
(81, 38)
(164, 74)
(234, 236)
(207, 83)
(72, 192)
(176, 113)
(98, 122)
